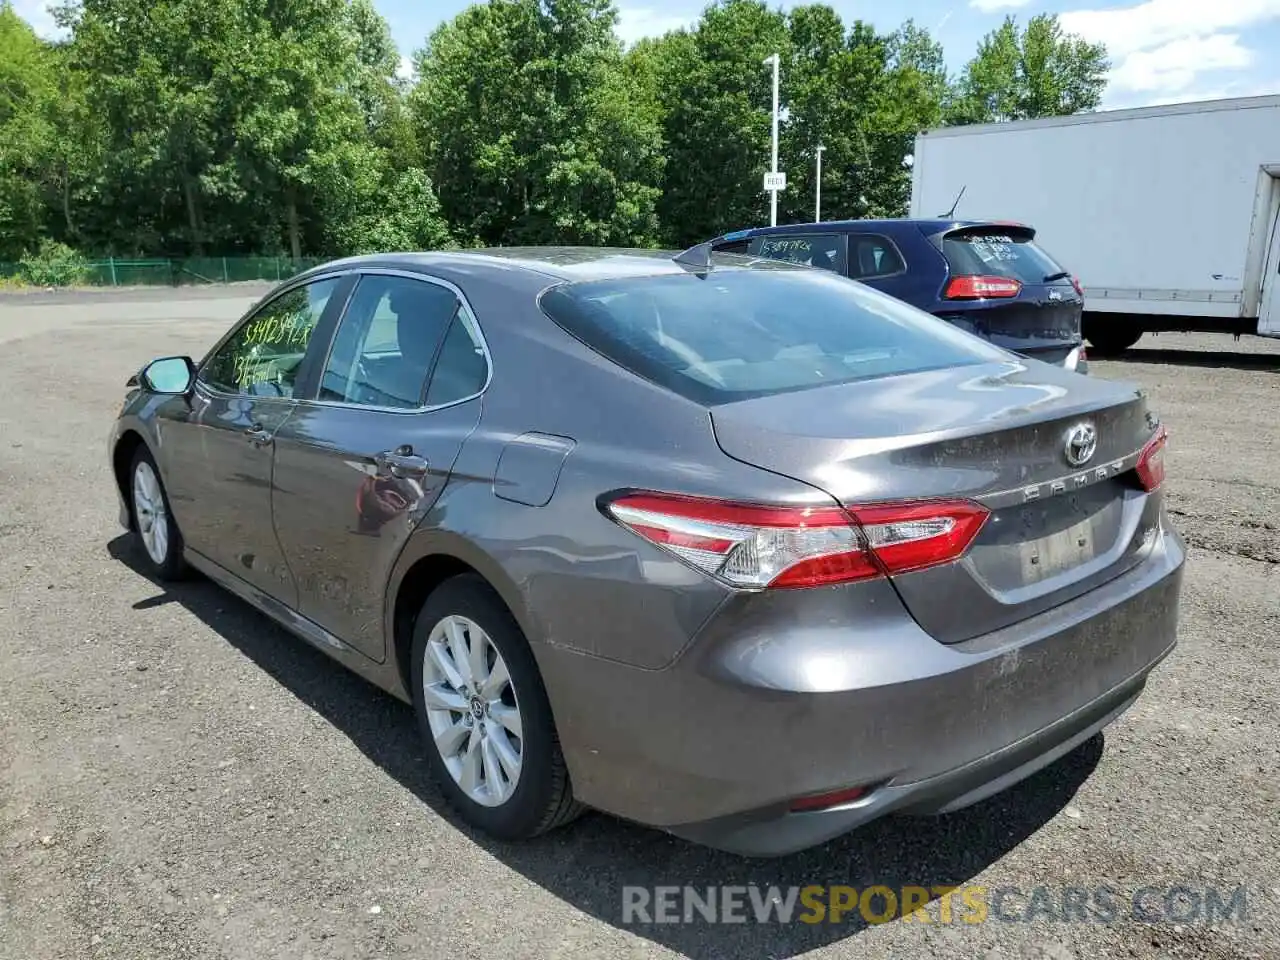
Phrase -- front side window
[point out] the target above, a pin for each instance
(388, 342)
(873, 256)
(263, 357)
(822, 250)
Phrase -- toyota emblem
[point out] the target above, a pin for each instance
(1082, 443)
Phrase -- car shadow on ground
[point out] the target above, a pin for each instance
(589, 863)
(1220, 359)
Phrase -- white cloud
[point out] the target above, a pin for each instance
(1175, 65)
(636, 23)
(36, 13)
(1161, 47)
(991, 6)
(405, 70)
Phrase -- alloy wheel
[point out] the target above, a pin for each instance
(472, 710)
(150, 513)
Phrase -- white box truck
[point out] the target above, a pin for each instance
(1169, 216)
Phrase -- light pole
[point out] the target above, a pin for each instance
(773, 194)
(817, 194)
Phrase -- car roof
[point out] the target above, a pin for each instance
(929, 225)
(565, 263)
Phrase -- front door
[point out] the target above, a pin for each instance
(220, 447)
(362, 461)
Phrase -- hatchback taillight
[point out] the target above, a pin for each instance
(1075, 282)
(1151, 461)
(981, 288)
(748, 545)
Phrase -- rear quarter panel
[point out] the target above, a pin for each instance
(572, 577)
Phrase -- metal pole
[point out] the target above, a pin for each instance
(817, 197)
(773, 194)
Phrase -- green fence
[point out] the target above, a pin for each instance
(114, 272)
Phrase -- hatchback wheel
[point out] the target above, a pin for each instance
(152, 520)
(482, 708)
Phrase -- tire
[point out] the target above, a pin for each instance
(469, 739)
(1110, 337)
(154, 530)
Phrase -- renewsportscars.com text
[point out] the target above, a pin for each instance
(970, 904)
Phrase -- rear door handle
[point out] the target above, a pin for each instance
(402, 462)
(257, 434)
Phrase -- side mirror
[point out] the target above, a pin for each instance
(170, 375)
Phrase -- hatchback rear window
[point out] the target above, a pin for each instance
(997, 253)
(738, 334)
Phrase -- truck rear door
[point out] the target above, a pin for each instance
(1003, 286)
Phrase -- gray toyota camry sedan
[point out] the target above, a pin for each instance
(745, 551)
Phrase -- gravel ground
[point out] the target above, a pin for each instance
(182, 779)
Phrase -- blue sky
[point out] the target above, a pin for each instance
(1162, 51)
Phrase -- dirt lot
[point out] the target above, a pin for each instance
(182, 779)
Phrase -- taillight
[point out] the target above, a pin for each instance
(981, 288)
(766, 546)
(1151, 461)
(1075, 282)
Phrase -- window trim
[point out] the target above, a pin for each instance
(905, 269)
(338, 301)
(841, 238)
(312, 398)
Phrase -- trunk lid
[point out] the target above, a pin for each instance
(994, 433)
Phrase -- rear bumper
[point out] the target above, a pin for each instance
(761, 710)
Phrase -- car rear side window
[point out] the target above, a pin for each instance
(998, 253)
(871, 255)
(737, 334)
(823, 250)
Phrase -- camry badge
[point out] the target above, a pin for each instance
(1082, 443)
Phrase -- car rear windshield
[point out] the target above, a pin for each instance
(736, 334)
(1000, 253)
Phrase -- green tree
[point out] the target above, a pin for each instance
(27, 88)
(531, 129)
(863, 96)
(1039, 71)
(716, 95)
(244, 126)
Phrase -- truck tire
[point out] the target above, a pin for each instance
(1108, 337)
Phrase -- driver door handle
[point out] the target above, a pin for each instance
(402, 463)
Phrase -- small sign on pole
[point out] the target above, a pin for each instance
(775, 181)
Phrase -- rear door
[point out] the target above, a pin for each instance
(363, 459)
(1003, 286)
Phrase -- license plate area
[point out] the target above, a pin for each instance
(1048, 556)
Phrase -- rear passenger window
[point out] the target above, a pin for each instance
(873, 256)
(462, 369)
(387, 341)
(822, 250)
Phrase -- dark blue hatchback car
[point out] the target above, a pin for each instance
(988, 277)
